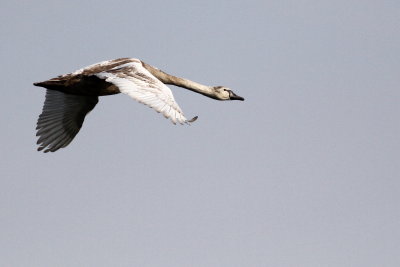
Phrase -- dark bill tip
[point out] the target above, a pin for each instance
(234, 96)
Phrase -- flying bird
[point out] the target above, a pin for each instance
(70, 97)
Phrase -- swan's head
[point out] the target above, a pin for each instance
(224, 93)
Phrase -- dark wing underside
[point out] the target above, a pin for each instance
(61, 119)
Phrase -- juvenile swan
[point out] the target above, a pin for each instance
(71, 96)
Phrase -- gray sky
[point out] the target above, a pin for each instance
(305, 172)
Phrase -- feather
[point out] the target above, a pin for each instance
(61, 119)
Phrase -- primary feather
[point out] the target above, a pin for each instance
(137, 82)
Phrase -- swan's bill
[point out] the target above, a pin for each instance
(233, 96)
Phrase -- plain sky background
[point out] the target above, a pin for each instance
(305, 172)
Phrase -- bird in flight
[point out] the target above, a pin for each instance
(70, 97)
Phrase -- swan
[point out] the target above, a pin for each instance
(70, 97)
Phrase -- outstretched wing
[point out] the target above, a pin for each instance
(61, 119)
(137, 82)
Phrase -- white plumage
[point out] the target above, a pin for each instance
(70, 97)
(137, 82)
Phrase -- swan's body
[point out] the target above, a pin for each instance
(71, 96)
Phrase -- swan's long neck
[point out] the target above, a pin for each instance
(181, 82)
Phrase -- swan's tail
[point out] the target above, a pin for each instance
(51, 84)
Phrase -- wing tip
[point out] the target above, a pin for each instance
(192, 119)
